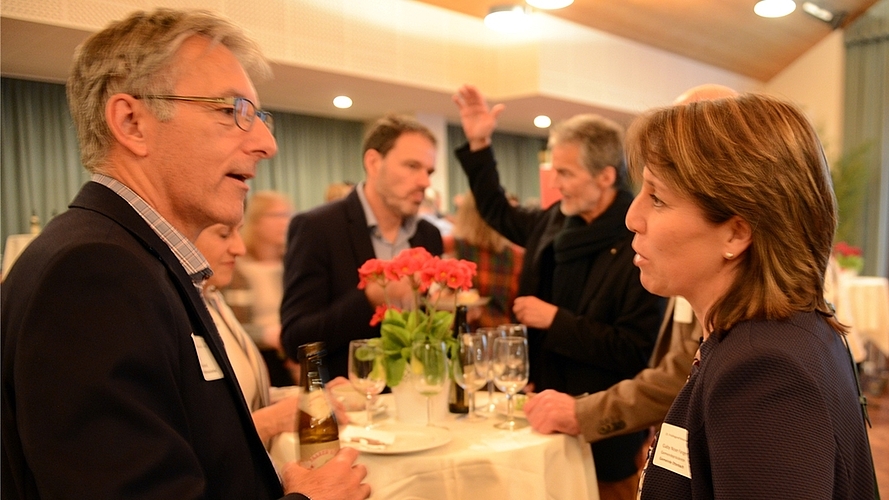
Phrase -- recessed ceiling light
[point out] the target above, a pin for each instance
(542, 121)
(342, 102)
(774, 8)
(549, 4)
(823, 14)
(508, 18)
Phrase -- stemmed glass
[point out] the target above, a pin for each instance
(490, 333)
(514, 329)
(429, 367)
(510, 373)
(367, 372)
(471, 369)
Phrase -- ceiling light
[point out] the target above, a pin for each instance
(508, 18)
(774, 8)
(542, 121)
(823, 14)
(549, 4)
(342, 102)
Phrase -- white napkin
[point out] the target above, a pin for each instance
(373, 439)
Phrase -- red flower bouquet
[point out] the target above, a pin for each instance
(427, 276)
(848, 256)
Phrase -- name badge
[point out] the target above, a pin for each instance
(209, 366)
(682, 311)
(672, 450)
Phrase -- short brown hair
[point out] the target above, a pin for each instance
(385, 131)
(135, 56)
(758, 158)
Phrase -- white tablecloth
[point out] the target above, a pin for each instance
(479, 462)
(867, 302)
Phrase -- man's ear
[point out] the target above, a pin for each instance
(126, 117)
(372, 159)
(607, 176)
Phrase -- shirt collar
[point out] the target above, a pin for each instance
(188, 255)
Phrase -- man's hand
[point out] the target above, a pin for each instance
(339, 479)
(534, 312)
(400, 294)
(479, 121)
(552, 411)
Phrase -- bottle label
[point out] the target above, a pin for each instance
(312, 456)
(314, 403)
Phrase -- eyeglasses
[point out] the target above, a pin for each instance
(243, 110)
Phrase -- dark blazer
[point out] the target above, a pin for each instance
(771, 412)
(608, 338)
(325, 248)
(103, 392)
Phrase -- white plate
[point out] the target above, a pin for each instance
(408, 439)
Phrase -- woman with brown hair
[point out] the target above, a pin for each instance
(737, 214)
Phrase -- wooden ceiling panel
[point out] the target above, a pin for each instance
(723, 33)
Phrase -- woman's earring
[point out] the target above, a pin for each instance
(729, 256)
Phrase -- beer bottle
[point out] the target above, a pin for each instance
(319, 438)
(457, 399)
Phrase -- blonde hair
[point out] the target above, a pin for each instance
(758, 158)
(470, 227)
(136, 56)
(258, 205)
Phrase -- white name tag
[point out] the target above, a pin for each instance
(682, 312)
(672, 450)
(209, 366)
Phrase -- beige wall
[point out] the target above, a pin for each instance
(815, 81)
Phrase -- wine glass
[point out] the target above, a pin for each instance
(367, 372)
(471, 369)
(514, 329)
(429, 367)
(510, 373)
(490, 333)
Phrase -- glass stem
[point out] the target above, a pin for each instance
(369, 417)
(491, 406)
(509, 409)
(428, 410)
(471, 405)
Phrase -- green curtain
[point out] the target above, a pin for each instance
(866, 132)
(40, 168)
(41, 171)
(518, 163)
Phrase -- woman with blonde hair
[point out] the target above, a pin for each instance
(257, 285)
(499, 262)
(737, 215)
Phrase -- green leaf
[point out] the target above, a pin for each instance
(394, 370)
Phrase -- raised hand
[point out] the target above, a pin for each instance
(479, 120)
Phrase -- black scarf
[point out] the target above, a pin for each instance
(577, 245)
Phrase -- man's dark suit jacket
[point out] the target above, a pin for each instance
(103, 392)
(325, 248)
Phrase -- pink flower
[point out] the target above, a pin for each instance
(372, 270)
(423, 270)
(380, 313)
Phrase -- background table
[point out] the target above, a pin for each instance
(868, 305)
(479, 462)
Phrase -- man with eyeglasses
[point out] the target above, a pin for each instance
(115, 381)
